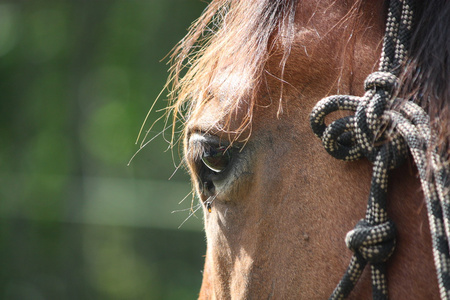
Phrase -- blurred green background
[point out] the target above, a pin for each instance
(76, 81)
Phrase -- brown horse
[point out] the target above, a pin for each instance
(276, 205)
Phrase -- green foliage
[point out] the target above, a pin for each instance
(77, 79)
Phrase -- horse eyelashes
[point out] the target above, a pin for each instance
(209, 153)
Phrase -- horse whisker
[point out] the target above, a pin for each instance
(148, 142)
(181, 210)
(190, 193)
(176, 169)
(190, 215)
(148, 114)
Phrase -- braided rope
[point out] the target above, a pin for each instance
(383, 135)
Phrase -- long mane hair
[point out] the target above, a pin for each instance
(426, 75)
(233, 36)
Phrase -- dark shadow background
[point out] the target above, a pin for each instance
(76, 80)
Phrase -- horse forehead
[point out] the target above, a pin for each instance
(312, 55)
(227, 82)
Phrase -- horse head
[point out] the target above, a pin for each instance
(276, 205)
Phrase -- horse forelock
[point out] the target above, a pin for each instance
(232, 39)
(238, 37)
(235, 39)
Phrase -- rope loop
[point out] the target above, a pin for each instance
(339, 140)
(385, 81)
(375, 243)
(368, 131)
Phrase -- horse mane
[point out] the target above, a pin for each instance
(426, 75)
(233, 36)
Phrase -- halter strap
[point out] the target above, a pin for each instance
(384, 135)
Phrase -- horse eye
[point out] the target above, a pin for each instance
(216, 159)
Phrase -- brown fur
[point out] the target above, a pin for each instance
(279, 217)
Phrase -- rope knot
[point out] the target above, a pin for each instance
(375, 243)
(381, 80)
(373, 120)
